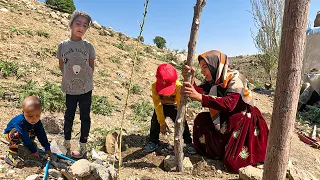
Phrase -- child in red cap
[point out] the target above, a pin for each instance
(166, 99)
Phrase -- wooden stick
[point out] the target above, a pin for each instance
(5, 141)
(179, 124)
(66, 174)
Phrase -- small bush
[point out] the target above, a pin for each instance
(160, 42)
(166, 57)
(105, 132)
(51, 96)
(148, 50)
(123, 46)
(310, 115)
(102, 105)
(17, 31)
(20, 74)
(136, 89)
(46, 52)
(142, 111)
(56, 71)
(8, 68)
(104, 74)
(179, 66)
(62, 5)
(115, 59)
(258, 84)
(43, 34)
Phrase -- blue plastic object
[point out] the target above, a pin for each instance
(60, 156)
(46, 172)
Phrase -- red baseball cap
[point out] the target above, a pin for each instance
(166, 79)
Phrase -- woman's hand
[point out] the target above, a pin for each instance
(189, 91)
(186, 70)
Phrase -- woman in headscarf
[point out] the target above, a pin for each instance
(233, 130)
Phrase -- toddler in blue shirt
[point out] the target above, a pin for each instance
(24, 128)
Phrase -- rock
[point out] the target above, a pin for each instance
(65, 15)
(112, 143)
(104, 32)
(219, 171)
(159, 53)
(187, 164)
(106, 172)
(82, 168)
(32, 163)
(170, 164)
(64, 22)
(134, 178)
(2, 175)
(120, 75)
(54, 173)
(295, 173)
(96, 25)
(59, 165)
(38, 18)
(61, 26)
(60, 178)
(123, 37)
(96, 157)
(4, 10)
(54, 15)
(272, 94)
(57, 148)
(11, 171)
(33, 177)
(180, 58)
(30, 6)
(53, 125)
(250, 173)
(103, 155)
(56, 22)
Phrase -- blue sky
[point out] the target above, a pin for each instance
(225, 24)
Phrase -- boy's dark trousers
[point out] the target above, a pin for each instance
(169, 111)
(72, 101)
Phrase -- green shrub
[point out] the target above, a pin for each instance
(102, 105)
(51, 96)
(115, 59)
(136, 89)
(18, 31)
(43, 34)
(123, 46)
(166, 57)
(160, 42)
(62, 5)
(142, 111)
(8, 68)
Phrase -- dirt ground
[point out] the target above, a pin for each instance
(29, 53)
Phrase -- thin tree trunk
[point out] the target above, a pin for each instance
(287, 90)
(179, 124)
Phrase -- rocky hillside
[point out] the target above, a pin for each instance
(29, 35)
